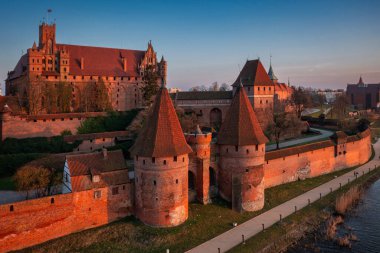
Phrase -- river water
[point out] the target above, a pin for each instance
(363, 221)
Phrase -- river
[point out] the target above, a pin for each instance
(363, 221)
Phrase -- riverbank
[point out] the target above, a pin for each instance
(284, 234)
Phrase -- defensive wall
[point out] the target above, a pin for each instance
(31, 222)
(47, 125)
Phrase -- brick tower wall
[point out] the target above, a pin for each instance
(241, 176)
(200, 164)
(161, 190)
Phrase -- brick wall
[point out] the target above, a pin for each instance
(316, 162)
(35, 221)
(42, 125)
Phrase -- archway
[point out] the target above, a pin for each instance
(191, 181)
(192, 194)
(215, 118)
(212, 177)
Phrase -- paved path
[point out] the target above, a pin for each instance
(324, 134)
(253, 226)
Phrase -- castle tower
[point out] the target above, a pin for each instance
(200, 143)
(47, 38)
(242, 149)
(271, 74)
(161, 167)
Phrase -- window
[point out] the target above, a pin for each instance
(257, 147)
(153, 159)
(247, 151)
(52, 201)
(67, 177)
(115, 190)
(11, 209)
(236, 148)
(154, 182)
(97, 194)
(164, 162)
(175, 158)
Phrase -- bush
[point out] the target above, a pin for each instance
(115, 121)
(11, 162)
(36, 145)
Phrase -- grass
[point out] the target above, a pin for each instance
(7, 184)
(301, 218)
(204, 223)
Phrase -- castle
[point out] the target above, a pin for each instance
(50, 64)
(172, 168)
(364, 96)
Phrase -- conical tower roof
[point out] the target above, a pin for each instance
(360, 81)
(241, 126)
(252, 74)
(162, 134)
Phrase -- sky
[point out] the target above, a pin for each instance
(319, 44)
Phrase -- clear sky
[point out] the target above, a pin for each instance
(322, 44)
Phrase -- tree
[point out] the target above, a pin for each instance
(300, 99)
(214, 87)
(283, 122)
(64, 97)
(224, 87)
(340, 107)
(150, 87)
(199, 88)
(188, 120)
(102, 101)
(39, 179)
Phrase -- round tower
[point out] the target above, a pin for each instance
(242, 153)
(200, 144)
(161, 167)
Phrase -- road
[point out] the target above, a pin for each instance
(324, 134)
(233, 237)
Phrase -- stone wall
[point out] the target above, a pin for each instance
(31, 222)
(16, 126)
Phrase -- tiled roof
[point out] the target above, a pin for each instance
(253, 73)
(201, 95)
(101, 61)
(241, 126)
(92, 136)
(282, 87)
(20, 68)
(82, 164)
(162, 134)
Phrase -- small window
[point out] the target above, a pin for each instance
(115, 190)
(176, 181)
(257, 147)
(52, 201)
(175, 158)
(123, 187)
(97, 194)
(153, 159)
(11, 209)
(226, 150)
(164, 162)
(137, 158)
(144, 162)
(247, 151)
(154, 182)
(236, 148)
(183, 159)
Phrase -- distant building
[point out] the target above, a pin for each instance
(330, 94)
(364, 96)
(174, 90)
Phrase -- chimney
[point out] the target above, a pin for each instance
(82, 63)
(105, 155)
(124, 64)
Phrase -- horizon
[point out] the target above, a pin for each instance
(311, 43)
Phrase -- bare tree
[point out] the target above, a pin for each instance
(225, 87)
(214, 87)
(300, 100)
(283, 122)
(340, 106)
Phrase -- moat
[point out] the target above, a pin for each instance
(362, 221)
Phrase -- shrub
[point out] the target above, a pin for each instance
(115, 121)
(10, 162)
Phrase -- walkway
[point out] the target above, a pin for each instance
(324, 134)
(233, 237)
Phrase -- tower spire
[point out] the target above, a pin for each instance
(270, 72)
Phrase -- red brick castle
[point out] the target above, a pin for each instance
(50, 63)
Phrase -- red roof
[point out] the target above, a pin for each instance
(82, 164)
(162, 134)
(101, 61)
(241, 126)
(253, 73)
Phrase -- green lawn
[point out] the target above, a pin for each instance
(7, 184)
(312, 214)
(204, 223)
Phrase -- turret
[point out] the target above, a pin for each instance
(161, 167)
(5, 113)
(200, 143)
(241, 143)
